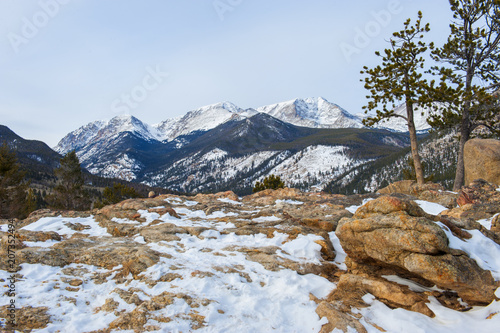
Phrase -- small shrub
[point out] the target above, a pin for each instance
(118, 192)
(270, 182)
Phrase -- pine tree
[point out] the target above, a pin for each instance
(12, 186)
(118, 192)
(31, 202)
(399, 79)
(69, 193)
(471, 73)
(409, 172)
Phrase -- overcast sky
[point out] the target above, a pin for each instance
(65, 63)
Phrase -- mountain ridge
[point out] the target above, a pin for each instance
(308, 112)
(313, 112)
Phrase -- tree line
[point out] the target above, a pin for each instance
(18, 200)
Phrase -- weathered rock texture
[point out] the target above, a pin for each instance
(429, 192)
(482, 160)
(394, 232)
(479, 200)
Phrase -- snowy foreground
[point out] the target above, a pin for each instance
(213, 287)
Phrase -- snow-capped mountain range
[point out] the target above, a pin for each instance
(167, 153)
(308, 112)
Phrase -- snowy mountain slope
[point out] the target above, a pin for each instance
(438, 154)
(80, 137)
(125, 155)
(238, 153)
(99, 131)
(312, 112)
(204, 172)
(399, 125)
(114, 148)
(316, 165)
(202, 119)
(122, 167)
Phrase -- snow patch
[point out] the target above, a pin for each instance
(480, 248)
(61, 225)
(340, 254)
(431, 207)
(354, 208)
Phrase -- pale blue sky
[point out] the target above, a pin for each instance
(65, 63)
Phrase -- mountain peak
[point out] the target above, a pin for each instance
(106, 128)
(202, 119)
(314, 112)
(129, 123)
(221, 105)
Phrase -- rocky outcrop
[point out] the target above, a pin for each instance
(351, 287)
(100, 252)
(29, 318)
(395, 251)
(479, 200)
(482, 160)
(429, 192)
(207, 198)
(396, 233)
(479, 192)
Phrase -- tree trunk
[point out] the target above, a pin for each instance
(419, 171)
(464, 137)
(465, 126)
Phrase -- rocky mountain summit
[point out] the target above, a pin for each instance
(405, 259)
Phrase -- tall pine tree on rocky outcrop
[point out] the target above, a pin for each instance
(69, 193)
(399, 79)
(12, 186)
(471, 73)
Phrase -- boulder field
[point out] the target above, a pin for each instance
(278, 260)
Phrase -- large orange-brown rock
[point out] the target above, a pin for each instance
(395, 232)
(387, 205)
(482, 160)
(212, 198)
(105, 252)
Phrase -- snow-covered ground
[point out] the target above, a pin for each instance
(233, 294)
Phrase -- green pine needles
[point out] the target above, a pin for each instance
(399, 79)
(270, 182)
